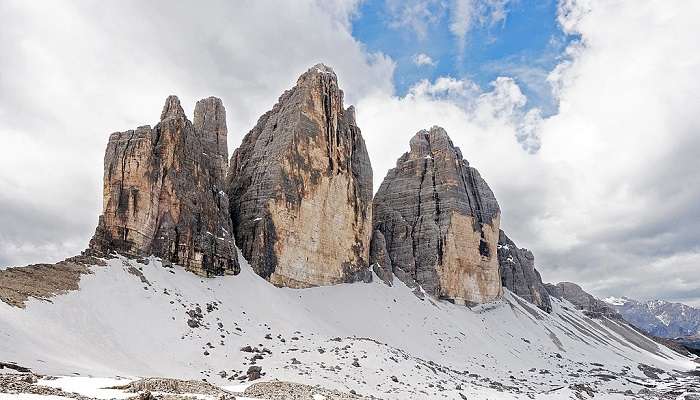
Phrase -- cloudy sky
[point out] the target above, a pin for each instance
(583, 115)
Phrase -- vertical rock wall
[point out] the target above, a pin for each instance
(301, 188)
(519, 275)
(163, 191)
(440, 221)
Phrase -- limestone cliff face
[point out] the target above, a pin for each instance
(163, 191)
(440, 221)
(301, 188)
(519, 275)
(583, 300)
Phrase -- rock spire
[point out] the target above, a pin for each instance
(163, 191)
(300, 186)
(439, 222)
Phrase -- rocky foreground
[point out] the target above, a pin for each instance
(15, 386)
(679, 386)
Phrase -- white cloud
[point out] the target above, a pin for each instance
(422, 59)
(610, 200)
(416, 15)
(74, 73)
(446, 87)
(462, 16)
(466, 14)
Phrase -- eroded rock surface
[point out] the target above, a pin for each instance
(379, 258)
(519, 275)
(581, 299)
(43, 281)
(301, 188)
(163, 191)
(440, 221)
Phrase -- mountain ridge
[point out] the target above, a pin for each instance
(659, 317)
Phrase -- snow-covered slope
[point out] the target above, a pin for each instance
(370, 338)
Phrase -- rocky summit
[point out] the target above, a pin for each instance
(439, 222)
(519, 275)
(300, 186)
(163, 191)
(583, 300)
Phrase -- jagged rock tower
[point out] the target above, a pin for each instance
(518, 273)
(163, 191)
(301, 188)
(439, 222)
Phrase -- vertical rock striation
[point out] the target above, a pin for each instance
(379, 258)
(518, 273)
(301, 188)
(163, 191)
(439, 221)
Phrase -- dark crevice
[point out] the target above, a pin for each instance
(436, 199)
(174, 257)
(121, 206)
(330, 135)
(466, 186)
(414, 239)
(157, 138)
(479, 207)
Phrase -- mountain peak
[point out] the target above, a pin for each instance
(162, 191)
(317, 73)
(440, 222)
(301, 188)
(171, 108)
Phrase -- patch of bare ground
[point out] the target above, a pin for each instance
(43, 281)
(276, 390)
(27, 384)
(175, 386)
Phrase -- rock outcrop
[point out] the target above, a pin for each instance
(301, 188)
(584, 301)
(440, 221)
(163, 191)
(379, 258)
(518, 273)
(44, 281)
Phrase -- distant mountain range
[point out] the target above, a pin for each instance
(660, 318)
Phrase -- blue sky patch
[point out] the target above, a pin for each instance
(526, 44)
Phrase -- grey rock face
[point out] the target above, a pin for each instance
(581, 299)
(379, 258)
(519, 275)
(163, 191)
(301, 188)
(440, 221)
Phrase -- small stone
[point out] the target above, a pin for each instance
(254, 372)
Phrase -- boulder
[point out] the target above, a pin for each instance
(300, 186)
(163, 191)
(518, 273)
(440, 221)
